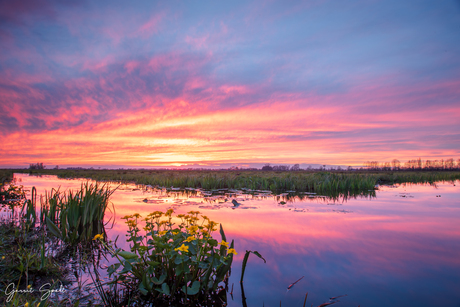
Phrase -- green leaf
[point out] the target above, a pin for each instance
(259, 255)
(127, 255)
(143, 290)
(193, 289)
(159, 281)
(178, 260)
(53, 228)
(222, 234)
(153, 263)
(245, 261)
(165, 288)
(126, 267)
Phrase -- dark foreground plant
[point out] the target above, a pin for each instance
(172, 264)
(76, 216)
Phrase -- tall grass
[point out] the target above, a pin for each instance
(77, 216)
(327, 183)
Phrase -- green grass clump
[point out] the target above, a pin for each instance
(76, 216)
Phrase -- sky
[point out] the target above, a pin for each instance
(228, 83)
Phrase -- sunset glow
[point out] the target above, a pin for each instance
(217, 84)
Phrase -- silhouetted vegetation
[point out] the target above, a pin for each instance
(415, 164)
(37, 166)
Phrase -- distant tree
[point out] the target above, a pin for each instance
(267, 167)
(280, 168)
(449, 163)
(396, 164)
(295, 167)
(36, 166)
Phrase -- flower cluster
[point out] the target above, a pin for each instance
(176, 254)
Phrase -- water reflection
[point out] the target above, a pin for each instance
(397, 246)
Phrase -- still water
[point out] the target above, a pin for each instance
(399, 246)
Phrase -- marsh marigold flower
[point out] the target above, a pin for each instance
(169, 212)
(98, 236)
(182, 248)
(232, 251)
(224, 243)
(162, 233)
(190, 239)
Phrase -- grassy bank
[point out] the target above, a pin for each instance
(167, 264)
(300, 181)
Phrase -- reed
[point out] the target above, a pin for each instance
(26, 253)
(321, 182)
(76, 216)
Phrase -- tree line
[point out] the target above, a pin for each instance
(415, 164)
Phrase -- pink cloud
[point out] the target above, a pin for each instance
(151, 26)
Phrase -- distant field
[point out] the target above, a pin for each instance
(325, 182)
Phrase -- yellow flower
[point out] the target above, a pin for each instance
(26, 304)
(29, 286)
(169, 212)
(127, 217)
(156, 214)
(190, 239)
(232, 251)
(3, 257)
(175, 232)
(211, 225)
(136, 215)
(192, 229)
(162, 233)
(98, 236)
(131, 223)
(223, 243)
(183, 248)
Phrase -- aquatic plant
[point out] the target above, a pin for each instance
(76, 216)
(324, 182)
(172, 264)
(26, 254)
